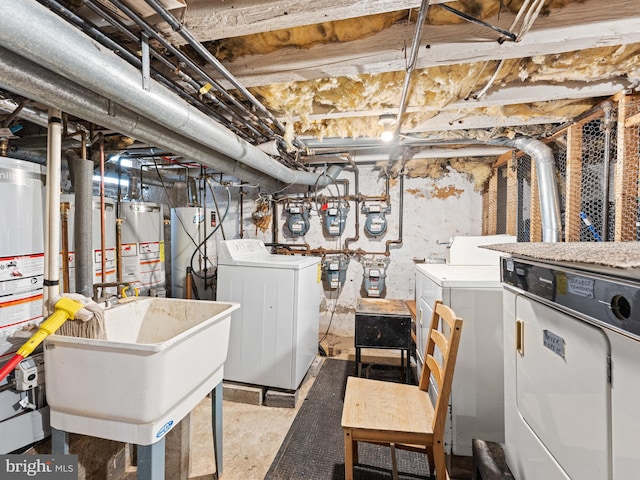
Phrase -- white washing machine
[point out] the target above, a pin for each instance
(475, 294)
(572, 349)
(274, 335)
(470, 284)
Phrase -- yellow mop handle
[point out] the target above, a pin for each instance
(65, 309)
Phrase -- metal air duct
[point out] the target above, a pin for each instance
(547, 185)
(61, 48)
(33, 81)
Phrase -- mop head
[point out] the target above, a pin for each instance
(88, 321)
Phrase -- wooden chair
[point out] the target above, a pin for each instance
(402, 415)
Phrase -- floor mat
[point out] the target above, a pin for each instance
(314, 446)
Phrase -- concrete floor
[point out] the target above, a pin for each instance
(253, 434)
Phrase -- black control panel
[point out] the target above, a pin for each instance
(611, 301)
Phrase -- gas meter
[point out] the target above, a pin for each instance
(374, 277)
(335, 217)
(335, 270)
(298, 221)
(376, 222)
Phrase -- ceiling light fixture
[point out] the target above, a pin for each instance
(388, 121)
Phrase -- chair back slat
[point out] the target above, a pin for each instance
(440, 340)
(436, 370)
(447, 343)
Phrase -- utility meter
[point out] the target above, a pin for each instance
(376, 223)
(335, 270)
(298, 221)
(374, 274)
(335, 217)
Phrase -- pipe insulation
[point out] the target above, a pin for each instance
(33, 81)
(82, 181)
(50, 45)
(547, 183)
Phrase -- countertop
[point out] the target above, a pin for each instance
(618, 258)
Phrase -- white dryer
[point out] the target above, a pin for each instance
(274, 335)
(572, 347)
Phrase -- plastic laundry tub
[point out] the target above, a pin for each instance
(161, 357)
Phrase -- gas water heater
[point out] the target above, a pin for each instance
(142, 247)
(24, 416)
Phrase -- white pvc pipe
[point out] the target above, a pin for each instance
(52, 208)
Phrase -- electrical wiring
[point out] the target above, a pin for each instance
(199, 246)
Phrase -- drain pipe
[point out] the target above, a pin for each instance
(49, 46)
(33, 81)
(547, 184)
(52, 220)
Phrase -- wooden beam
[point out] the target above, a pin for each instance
(512, 196)
(535, 222)
(492, 205)
(578, 26)
(632, 121)
(574, 184)
(503, 159)
(512, 94)
(627, 172)
(209, 20)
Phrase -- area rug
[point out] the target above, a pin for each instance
(314, 446)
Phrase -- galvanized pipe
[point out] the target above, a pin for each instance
(547, 184)
(608, 127)
(49, 46)
(422, 15)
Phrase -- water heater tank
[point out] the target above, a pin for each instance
(21, 248)
(189, 228)
(143, 260)
(96, 242)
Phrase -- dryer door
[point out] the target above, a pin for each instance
(563, 388)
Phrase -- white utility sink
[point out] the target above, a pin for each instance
(161, 357)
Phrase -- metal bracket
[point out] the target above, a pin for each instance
(146, 62)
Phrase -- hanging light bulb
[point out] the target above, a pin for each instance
(388, 121)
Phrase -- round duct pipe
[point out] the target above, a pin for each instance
(49, 46)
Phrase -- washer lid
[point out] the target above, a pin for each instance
(466, 276)
(254, 253)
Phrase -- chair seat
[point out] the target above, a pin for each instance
(375, 406)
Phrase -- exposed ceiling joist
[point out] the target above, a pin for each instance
(217, 20)
(576, 27)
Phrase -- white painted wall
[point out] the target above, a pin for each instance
(429, 219)
(434, 211)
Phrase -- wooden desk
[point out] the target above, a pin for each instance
(382, 323)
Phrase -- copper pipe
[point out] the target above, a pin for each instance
(119, 249)
(188, 284)
(103, 214)
(64, 227)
